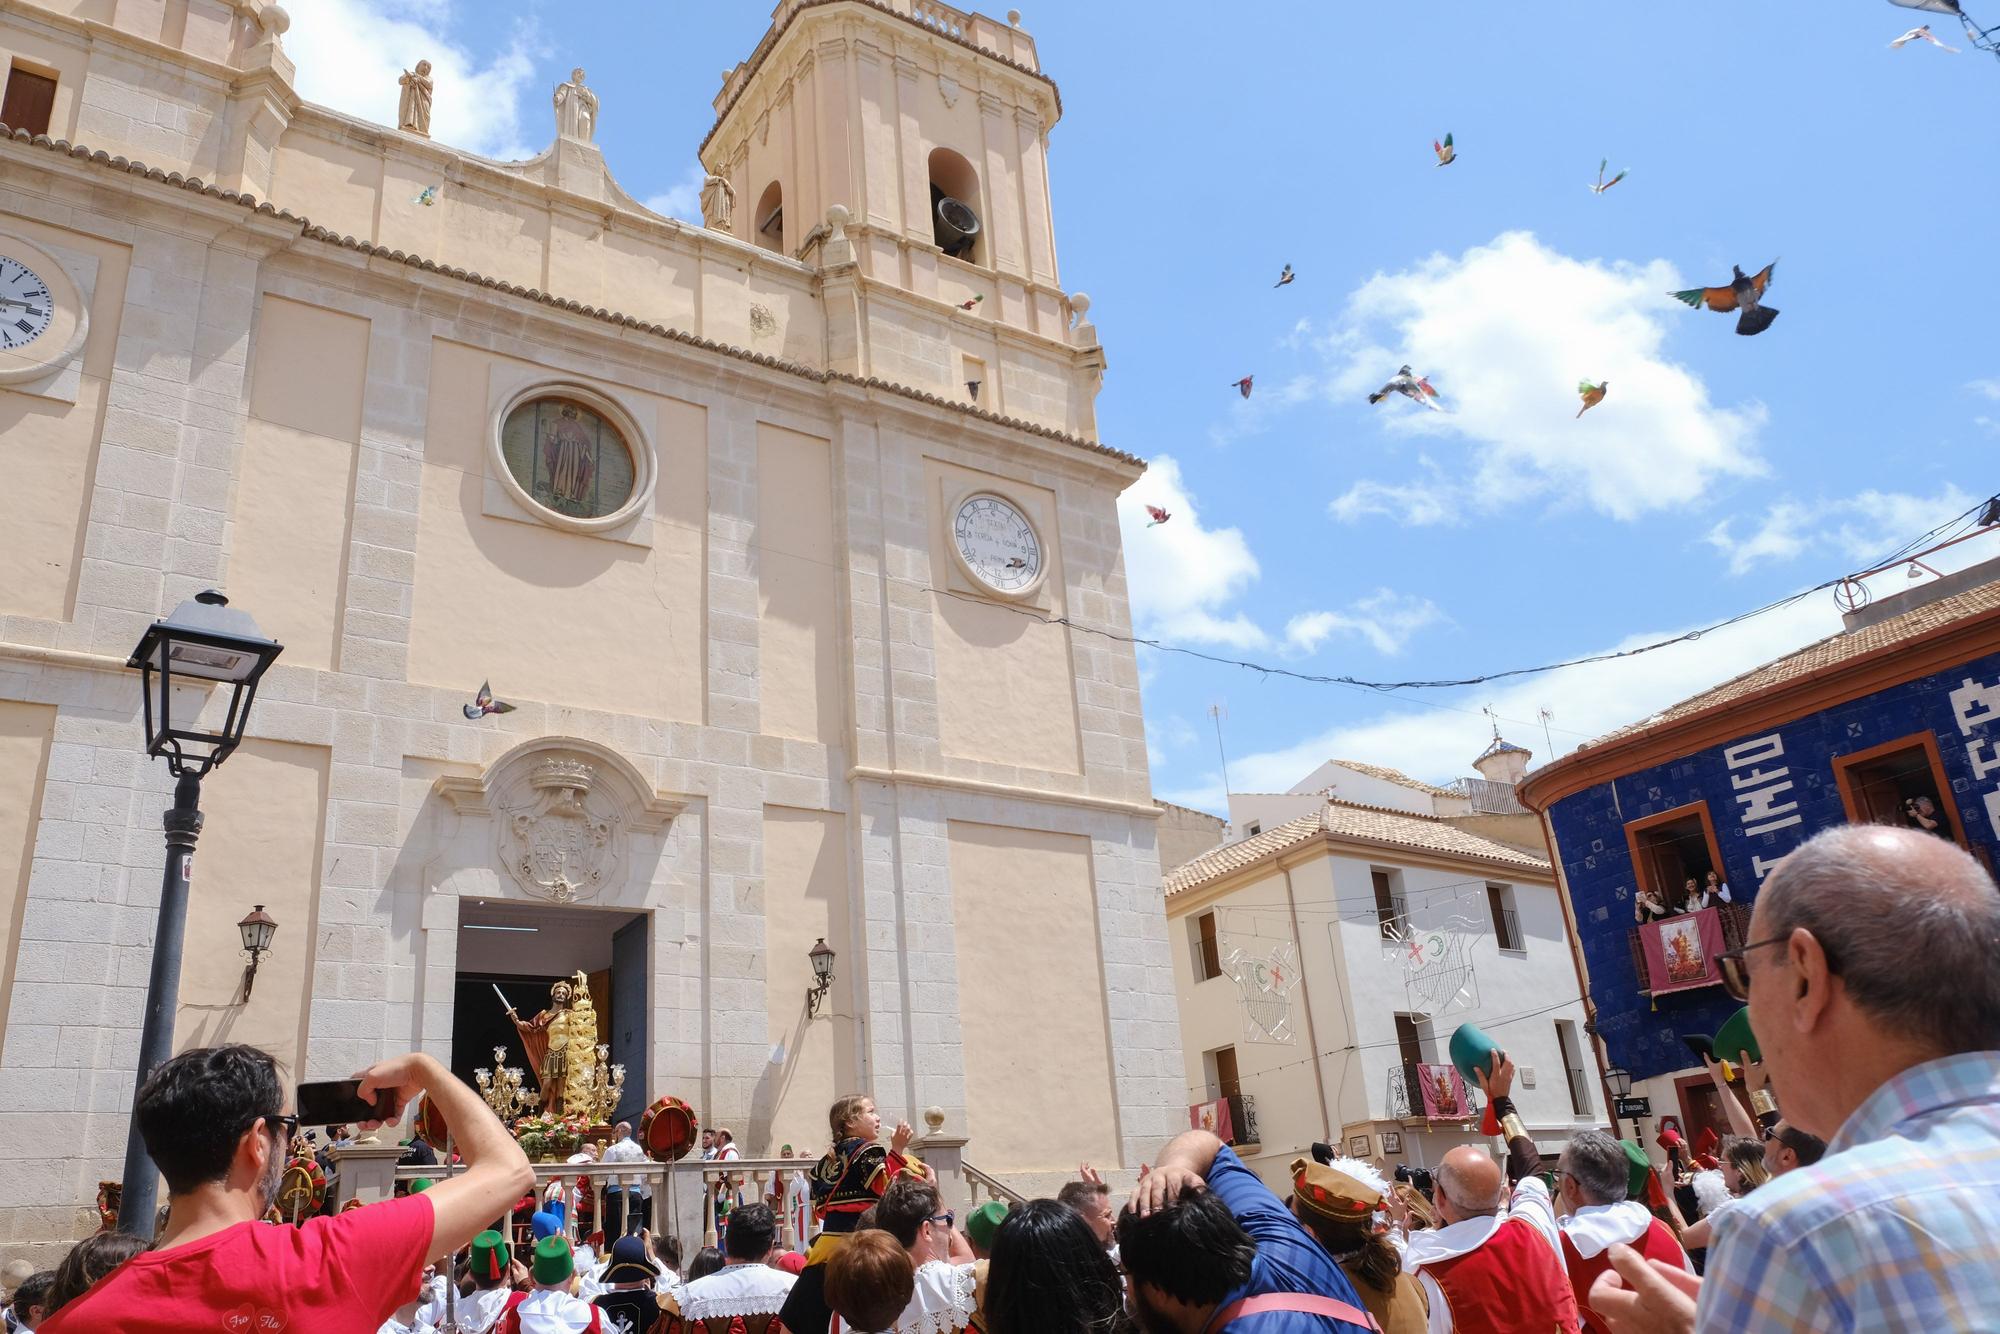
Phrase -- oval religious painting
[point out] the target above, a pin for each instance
(568, 457)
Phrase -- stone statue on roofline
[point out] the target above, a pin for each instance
(576, 109)
(413, 112)
(718, 204)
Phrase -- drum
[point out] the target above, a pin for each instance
(668, 1130)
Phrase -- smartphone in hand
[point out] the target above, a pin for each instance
(335, 1102)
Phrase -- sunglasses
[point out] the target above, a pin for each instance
(946, 1218)
(1736, 973)
(286, 1126)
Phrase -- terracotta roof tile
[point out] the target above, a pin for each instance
(1818, 657)
(1396, 776)
(1349, 820)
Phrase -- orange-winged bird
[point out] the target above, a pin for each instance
(1593, 394)
(1740, 294)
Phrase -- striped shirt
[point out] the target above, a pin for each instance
(1897, 1228)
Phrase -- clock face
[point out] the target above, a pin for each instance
(997, 543)
(25, 304)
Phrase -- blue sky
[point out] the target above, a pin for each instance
(1314, 532)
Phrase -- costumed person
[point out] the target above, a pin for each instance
(548, 1307)
(1608, 1186)
(1670, 1140)
(629, 1302)
(546, 1057)
(850, 1178)
(746, 1293)
(1494, 1262)
(1337, 1204)
(489, 1267)
(797, 1197)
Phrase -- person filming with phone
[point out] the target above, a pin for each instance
(214, 1122)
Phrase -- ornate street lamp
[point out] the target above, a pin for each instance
(257, 930)
(822, 957)
(1619, 1080)
(202, 641)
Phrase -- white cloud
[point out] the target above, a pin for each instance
(682, 199)
(1505, 331)
(350, 52)
(1384, 618)
(1986, 388)
(1413, 503)
(1183, 576)
(1166, 733)
(1860, 529)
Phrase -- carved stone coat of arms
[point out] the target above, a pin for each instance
(560, 845)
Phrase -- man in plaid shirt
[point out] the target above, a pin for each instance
(1875, 994)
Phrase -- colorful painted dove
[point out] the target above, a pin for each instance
(427, 197)
(971, 302)
(1602, 184)
(1922, 34)
(1446, 153)
(1740, 293)
(1286, 277)
(1410, 386)
(483, 703)
(1593, 394)
(1243, 385)
(1160, 516)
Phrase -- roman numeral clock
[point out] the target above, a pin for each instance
(42, 315)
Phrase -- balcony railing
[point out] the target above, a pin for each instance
(1735, 919)
(1243, 1120)
(1579, 1092)
(942, 17)
(1507, 930)
(1406, 1099)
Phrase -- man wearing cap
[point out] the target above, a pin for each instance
(981, 1224)
(547, 1307)
(1603, 1181)
(1337, 1205)
(492, 1259)
(629, 1303)
(1493, 1264)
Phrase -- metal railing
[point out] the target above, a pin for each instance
(1406, 1099)
(1579, 1091)
(1242, 1120)
(1735, 919)
(1507, 930)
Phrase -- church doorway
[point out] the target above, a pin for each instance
(520, 951)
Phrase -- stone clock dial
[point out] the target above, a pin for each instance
(26, 308)
(997, 543)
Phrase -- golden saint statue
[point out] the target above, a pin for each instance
(562, 1047)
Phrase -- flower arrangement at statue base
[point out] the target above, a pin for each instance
(550, 1139)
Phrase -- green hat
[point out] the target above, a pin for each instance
(983, 1222)
(553, 1262)
(490, 1255)
(1638, 1167)
(420, 1185)
(1734, 1038)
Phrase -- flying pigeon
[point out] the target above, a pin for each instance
(427, 197)
(1411, 386)
(1017, 562)
(971, 302)
(1446, 153)
(1602, 184)
(483, 703)
(1160, 516)
(1243, 385)
(1740, 293)
(1593, 394)
(1286, 277)
(1922, 34)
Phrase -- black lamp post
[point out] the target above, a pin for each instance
(203, 640)
(822, 957)
(1620, 1080)
(257, 930)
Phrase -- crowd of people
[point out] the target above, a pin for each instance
(1861, 1193)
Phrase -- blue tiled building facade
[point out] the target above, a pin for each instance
(1764, 792)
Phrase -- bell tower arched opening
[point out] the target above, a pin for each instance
(770, 218)
(956, 222)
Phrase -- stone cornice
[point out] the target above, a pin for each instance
(15, 139)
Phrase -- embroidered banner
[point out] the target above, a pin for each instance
(1681, 951)
(1214, 1118)
(1443, 1091)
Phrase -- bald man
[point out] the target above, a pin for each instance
(1874, 995)
(1492, 1262)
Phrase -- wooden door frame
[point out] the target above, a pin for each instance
(1925, 740)
(1695, 808)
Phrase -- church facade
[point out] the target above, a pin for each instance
(764, 528)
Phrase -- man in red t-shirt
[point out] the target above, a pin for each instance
(213, 1120)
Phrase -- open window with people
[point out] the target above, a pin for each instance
(1900, 783)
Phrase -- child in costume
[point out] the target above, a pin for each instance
(845, 1182)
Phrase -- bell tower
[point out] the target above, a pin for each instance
(929, 126)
